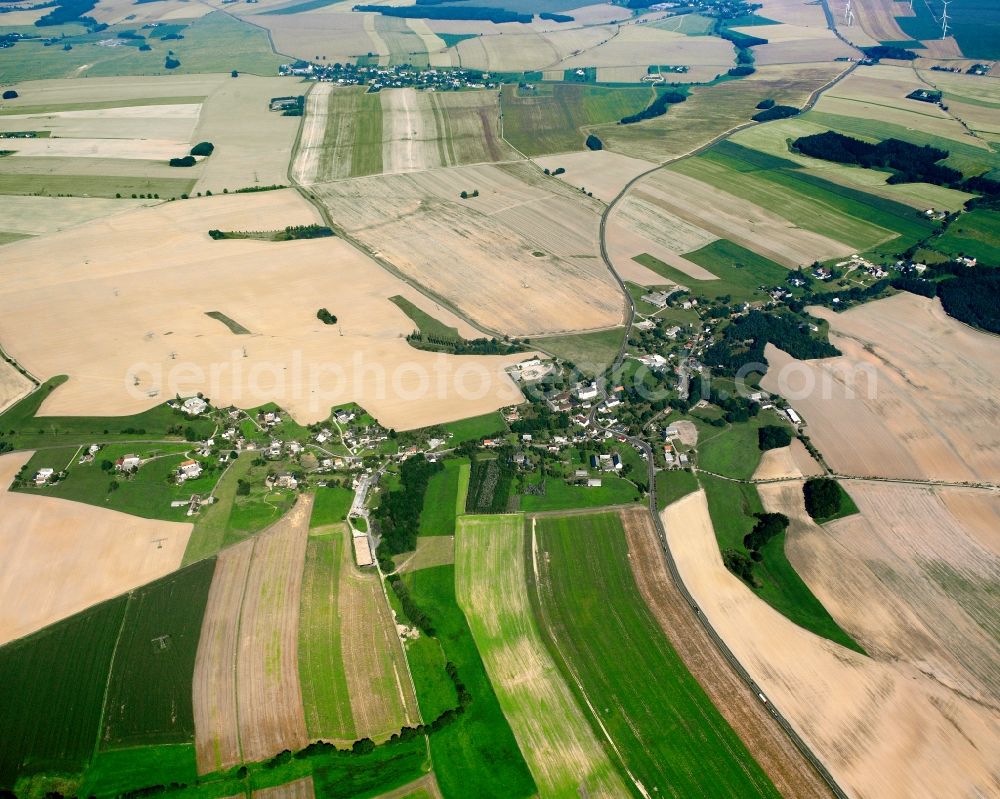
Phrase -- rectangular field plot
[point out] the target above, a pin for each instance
(52, 691)
(657, 718)
(565, 757)
(149, 694)
(553, 117)
(477, 755)
(523, 253)
(321, 667)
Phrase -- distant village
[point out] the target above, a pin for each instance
(398, 76)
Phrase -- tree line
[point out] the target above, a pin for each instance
(657, 108)
(398, 514)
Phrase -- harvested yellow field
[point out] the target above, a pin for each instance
(905, 578)
(601, 172)
(422, 130)
(783, 462)
(144, 149)
(804, 50)
(268, 692)
(517, 50)
(876, 18)
(253, 146)
(794, 12)
(246, 692)
(321, 36)
(432, 550)
(59, 557)
(523, 256)
(941, 48)
(170, 121)
(139, 285)
(882, 729)
(963, 86)
(298, 789)
(114, 11)
(712, 110)
(316, 154)
(643, 45)
(36, 216)
(491, 585)
(13, 385)
(728, 217)
(978, 513)
(378, 679)
(916, 389)
(47, 95)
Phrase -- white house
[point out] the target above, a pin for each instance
(188, 470)
(594, 482)
(193, 406)
(43, 475)
(586, 391)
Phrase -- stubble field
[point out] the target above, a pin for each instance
(917, 388)
(882, 729)
(49, 548)
(523, 253)
(140, 285)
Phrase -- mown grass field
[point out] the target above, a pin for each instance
(440, 501)
(740, 271)
(425, 323)
(733, 450)
(116, 771)
(732, 507)
(974, 235)
(592, 353)
(331, 505)
(847, 215)
(475, 428)
(149, 693)
(212, 523)
(217, 42)
(669, 733)
(477, 754)
(147, 493)
(674, 484)
(325, 694)
(553, 117)
(352, 141)
(52, 692)
(560, 495)
(31, 431)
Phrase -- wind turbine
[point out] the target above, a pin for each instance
(944, 19)
(848, 14)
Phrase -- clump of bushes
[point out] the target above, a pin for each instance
(763, 105)
(187, 160)
(822, 496)
(466, 195)
(205, 148)
(772, 436)
(171, 62)
(10, 94)
(326, 317)
(593, 143)
(776, 112)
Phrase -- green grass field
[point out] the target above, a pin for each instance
(592, 353)
(560, 495)
(33, 432)
(740, 271)
(847, 507)
(974, 235)
(553, 118)
(52, 692)
(477, 754)
(212, 523)
(425, 323)
(667, 730)
(325, 695)
(331, 505)
(217, 42)
(235, 327)
(672, 485)
(148, 493)
(440, 501)
(732, 507)
(52, 185)
(149, 693)
(733, 451)
(353, 134)
(116, 771)
(492, 589)
(475, 428)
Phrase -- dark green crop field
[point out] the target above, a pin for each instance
(149, 694)
(603, 636)
(52, 692)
